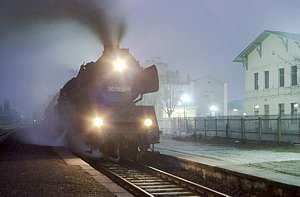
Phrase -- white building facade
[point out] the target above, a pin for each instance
(271, 64)
(206, 96)
(168, 79)
(210, 96)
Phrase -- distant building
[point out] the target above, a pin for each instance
(166, 75)
(185, 105)
(7, 114)
(236, 108)
(170, 84)
(210, 96)
(271, 64)
(6, 108)
(203, 97)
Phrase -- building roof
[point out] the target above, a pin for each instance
(208, 77)
(241, 57)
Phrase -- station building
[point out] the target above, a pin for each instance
(271, 65)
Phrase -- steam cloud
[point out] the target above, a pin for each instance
(28, 67)
(103, 17)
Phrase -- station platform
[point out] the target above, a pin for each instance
(30, 170)
(230, 158)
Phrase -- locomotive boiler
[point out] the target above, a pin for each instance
(97, 110)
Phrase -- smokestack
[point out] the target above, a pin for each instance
(110, 47)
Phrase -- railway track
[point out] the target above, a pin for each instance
(5, 132)
(143, 180)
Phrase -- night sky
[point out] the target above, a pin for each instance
(43, 42)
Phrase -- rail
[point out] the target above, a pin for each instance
(5, 132)
(143, 180)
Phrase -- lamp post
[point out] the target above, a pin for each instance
(185, 99)
(213, 110)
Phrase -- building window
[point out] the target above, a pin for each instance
(281, 77)
(294, 75)
(256, 110)
(255, 81)
(294, 107)
(266, 79)
(267, 110)
(281, 109)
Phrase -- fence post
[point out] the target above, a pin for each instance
(178, 126)
(216, 126)
(243, 128)
(279, 129)
(205, 127)
(187, 126)
(259, 128)
(195, 126)
(227, 127)
(299, 130)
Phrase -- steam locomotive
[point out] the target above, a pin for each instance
(97, 110)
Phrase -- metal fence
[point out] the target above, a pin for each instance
(262, 128)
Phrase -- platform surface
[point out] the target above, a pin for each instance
(30, 170)
(230, 158)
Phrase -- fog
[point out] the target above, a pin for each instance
(38, 64)
(43, 43)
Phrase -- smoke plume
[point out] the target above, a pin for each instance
(103, 18)
(34, 64)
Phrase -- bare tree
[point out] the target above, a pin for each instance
(169, 96)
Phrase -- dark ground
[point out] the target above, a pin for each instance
(28, 170)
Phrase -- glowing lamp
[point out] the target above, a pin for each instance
(148, 122)
(97, 122)
(213, 108)
(119, 65)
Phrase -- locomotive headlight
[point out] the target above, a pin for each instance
(120, 65)
(97, 122)
(148, 122)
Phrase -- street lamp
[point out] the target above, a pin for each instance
(213, 109)
(185, 98)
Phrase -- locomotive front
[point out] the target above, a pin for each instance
(101, 102)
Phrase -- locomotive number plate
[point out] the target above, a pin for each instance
(118, 89)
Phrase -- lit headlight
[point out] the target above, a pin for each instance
(97, 122)
(148, 122)
(120, 65)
